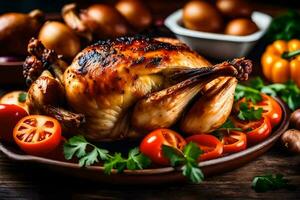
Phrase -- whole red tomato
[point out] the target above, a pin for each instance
(151, 145)
(9, 117)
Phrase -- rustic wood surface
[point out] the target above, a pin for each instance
(28, 181)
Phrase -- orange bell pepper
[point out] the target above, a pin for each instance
(281, 61)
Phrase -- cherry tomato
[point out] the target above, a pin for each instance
(37, 134)
(9, 117)
(151, 145)
(234, 141)
(209, 144)
(270, 107)
(256, 131)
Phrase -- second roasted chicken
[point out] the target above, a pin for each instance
(126, 87)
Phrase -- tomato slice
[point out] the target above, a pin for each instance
(151, 145)
(209, 144)
(37, 134)
(234, 141)
(256, 131)
(271, 108)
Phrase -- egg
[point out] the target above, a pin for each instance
(234, 8)
(105, 21)
(59, 37)
(240, 27)
(202, 16)
(135, 12)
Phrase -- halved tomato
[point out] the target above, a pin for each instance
(234, 141)
(256, 131)
(209, 144)
(151, 145)
(37, 134)
(271, 108)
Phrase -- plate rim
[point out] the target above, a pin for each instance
(155, 171)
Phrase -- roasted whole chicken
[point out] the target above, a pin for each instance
(126, 87)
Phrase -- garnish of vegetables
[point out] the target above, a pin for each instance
(22, 97)
(288, 92)
(268, 182)
(246, 113)
(78, 146)
(187, 159)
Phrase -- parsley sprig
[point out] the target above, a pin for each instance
(246, 113)
(289, 92)
(284, 27)
(187, 159)
(22, 97)
(225, 128)
(268, 182)
(89, 154)
(251, 94)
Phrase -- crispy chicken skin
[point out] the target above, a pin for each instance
(131, 85)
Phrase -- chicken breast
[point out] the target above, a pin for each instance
(108, 78)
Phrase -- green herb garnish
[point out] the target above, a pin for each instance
(227, 126)
(249, 93)
(188, 159)
(22, 97)
(288, 92)
(78, 146)
(284, 27)
(269, 182)
(246, 113)
(115, 162)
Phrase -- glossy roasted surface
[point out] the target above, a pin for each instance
(112, 65)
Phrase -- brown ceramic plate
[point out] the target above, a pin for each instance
(155, 175)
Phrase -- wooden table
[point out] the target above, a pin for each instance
(28, 181)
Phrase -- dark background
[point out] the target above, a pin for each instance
(157, 6)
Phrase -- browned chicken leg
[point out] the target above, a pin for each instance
(47, 94)
(163, 108)
(212, 109)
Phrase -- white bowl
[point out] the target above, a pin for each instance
(215, 45)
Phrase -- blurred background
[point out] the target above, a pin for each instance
(84, 24)
(158, 7)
